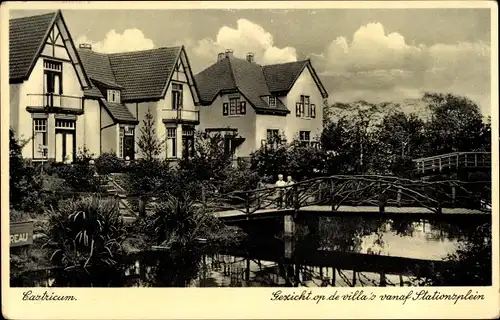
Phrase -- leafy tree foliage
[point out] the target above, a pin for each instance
(25, 181)
(456, 125)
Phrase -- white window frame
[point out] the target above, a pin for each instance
(114, 96)
(171, 133)
(40, 127)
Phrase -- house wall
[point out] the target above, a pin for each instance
(15, 96)
(265, 122)
(109, 136)
(29, 93)
(92, 130)
(304, 85)
(211, 117)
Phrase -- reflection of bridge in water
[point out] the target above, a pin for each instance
(236, 269)
(374, 195)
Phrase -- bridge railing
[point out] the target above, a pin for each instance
(381, 191)
(453, 160)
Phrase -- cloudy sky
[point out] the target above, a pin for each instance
(374, 55)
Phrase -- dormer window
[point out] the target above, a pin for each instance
(272, 101)
(114, 96)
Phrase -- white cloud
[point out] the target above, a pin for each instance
(247, 37)
(129, 40)
(377, 65)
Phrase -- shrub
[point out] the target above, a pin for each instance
(178, 222)
(85, 237)
(80, 176)
(301, 161)
(25, 181)
(108, 162)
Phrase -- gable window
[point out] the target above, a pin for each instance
(176, 96)
(234, 108)
(304, 108)
(114, 96)
(40, 138)
(52, 82)
(272, 101)
(305, 137)
(171, 142)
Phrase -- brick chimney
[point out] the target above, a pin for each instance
(86, 46)
(229, 53)
(220, 56)
(250, 57)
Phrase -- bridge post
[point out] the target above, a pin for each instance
(453, 195)
(382, 199)
(295, 200)
(333, 196)
(383, 281)
(247, 205)
(399, 197)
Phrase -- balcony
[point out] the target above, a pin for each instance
(50, 102)
(180, 116)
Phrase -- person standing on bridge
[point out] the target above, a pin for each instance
(281, 192)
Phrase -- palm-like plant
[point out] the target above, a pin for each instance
(86, 235)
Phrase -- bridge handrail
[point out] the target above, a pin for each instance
(449, 155)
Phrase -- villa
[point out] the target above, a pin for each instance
(64, 99)
(253, 105)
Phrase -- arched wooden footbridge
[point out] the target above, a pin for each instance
(356, 194)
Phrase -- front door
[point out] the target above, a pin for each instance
(65, 146)
(65, 140)
(128, 147)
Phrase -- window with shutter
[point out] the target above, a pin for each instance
(225, 109)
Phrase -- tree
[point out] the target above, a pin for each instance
(402, 139)
(149, 144)
(210, 159)
(353, 135)
(456, 124)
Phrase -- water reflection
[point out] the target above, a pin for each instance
(323, 251)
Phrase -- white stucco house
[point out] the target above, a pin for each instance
(63, 99)
(252, 104)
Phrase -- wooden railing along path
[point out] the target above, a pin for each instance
(453, 161)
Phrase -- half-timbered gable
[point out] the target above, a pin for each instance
(47, 81)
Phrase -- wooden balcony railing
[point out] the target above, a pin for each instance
(181, 115)
(52, 100)
(453, 161)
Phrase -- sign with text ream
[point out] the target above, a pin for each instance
(21, 233)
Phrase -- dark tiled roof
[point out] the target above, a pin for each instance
(92, 92)
(26, 36)
(213, 79)
(280, 77)
(237, 74)
(98, 67)
(144, 74)
(119, 112)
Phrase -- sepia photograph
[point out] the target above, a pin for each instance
(250, 147)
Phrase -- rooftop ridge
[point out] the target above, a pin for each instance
(145, 50)
(34, 16)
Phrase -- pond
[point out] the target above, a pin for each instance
(323, 251)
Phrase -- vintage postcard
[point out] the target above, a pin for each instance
(249, 160)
